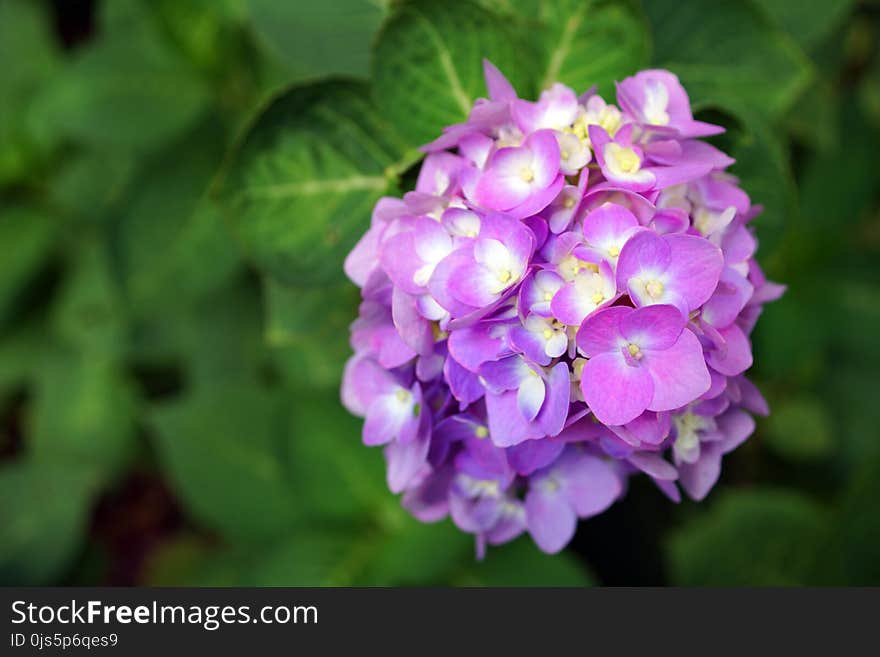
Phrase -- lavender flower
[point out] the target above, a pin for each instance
(565, 300)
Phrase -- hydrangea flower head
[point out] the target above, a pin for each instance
(564, 301)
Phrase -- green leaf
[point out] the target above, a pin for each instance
(20, 353)
(171, 240)
(174, 561)
(309, 558)
(800, 429)
(815, 122)
(126, 90)
(781, 358)
(207, 32)
(409, 553)
(88, 313)
(727, 54)
(89, 181)
(83, 413)
(350, 483)
(308, 331)
(44, 508)
(827, 218)
(27, 47)
(859, 529)
(418, 553)
(427, 67)
(808, 25)
(26, 239)
(764, 170)
(583, 43)
(521, 563)
(213, 338)
(223, 449)
(753, 538)
(310, 39)
(302, 183)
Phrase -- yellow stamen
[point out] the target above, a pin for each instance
(624, 158)
(654, 289)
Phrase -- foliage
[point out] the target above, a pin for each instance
(180, 180)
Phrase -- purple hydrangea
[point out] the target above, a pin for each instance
(564, 300)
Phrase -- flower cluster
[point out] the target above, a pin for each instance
(564, 300)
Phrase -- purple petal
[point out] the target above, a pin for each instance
(653, 327)
(474, 345)
(533, 455)
(502, 185)
(530, 396)
(695, 266)
(529, 343)
(591, 484)
(362, 381)
(440, 284)
(603, 193)
(736, 357)
(644, 254)
(414, 329)
(551, 521)
(751, 398)
(699, 478)
(584, 295)
(654, 465)
(388, 417)
(429, 500)
(608, 224)
(553, 413)
(464, 385)
(538, 200)
(364, 257)
(669, 489)
(537, 291)
(729, 298)
(506, 426)
(738, 244)
(506, 373)
(737, 426)
(679, 373)
(545, 151)
(400, 261)
(510, 524)
(496, 84)
(473, 285)
(615, 391)
(648, 428)
(600, 332)
(676, 175)
(556, 109)
(706, 154)
(670, 220)
(407, 463)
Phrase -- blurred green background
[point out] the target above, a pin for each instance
(170, 348)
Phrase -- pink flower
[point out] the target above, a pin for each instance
(639, 359)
